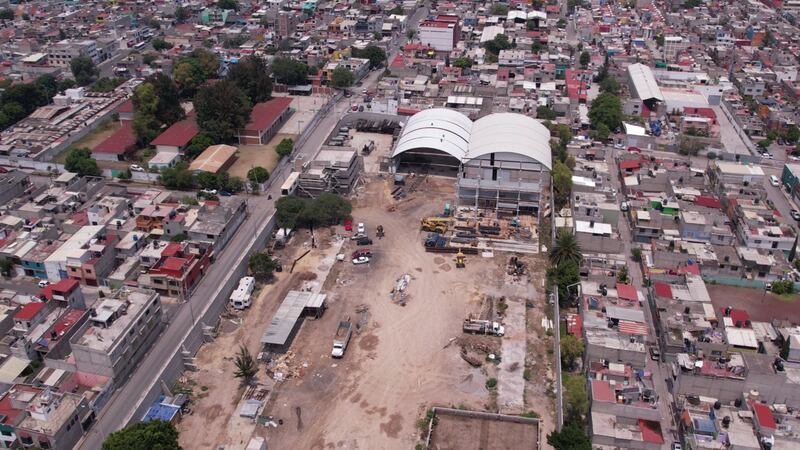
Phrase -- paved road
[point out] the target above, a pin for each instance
(118, 412)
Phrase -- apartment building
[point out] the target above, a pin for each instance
(62, 53)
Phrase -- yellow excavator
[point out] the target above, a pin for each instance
(435, 224)
(461, 260)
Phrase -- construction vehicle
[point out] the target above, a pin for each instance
(341, 339)
(435, 240)
(483, 327)
(435, 224)
(379, 231)
(461, 260)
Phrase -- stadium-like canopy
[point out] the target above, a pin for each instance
(455, 134)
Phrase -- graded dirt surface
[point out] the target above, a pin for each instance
(467, 433)
(249, 156)
(761, 306)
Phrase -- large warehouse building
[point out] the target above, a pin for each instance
(501, 160)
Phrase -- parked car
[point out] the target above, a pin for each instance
(655, 353)
(624, 206)
(676, 446)
(795, 214)
(364, 241)
(43, 283)
(348, 225)
(361, 228)
(773, 180)
(360, 260)
(136, 168)
(634, 150)
(209, 191)
(362, 252)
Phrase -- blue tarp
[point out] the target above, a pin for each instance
(160, 411)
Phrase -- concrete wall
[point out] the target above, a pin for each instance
(599, 244)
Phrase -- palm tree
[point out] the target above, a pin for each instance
(565, 250)
(246, 368)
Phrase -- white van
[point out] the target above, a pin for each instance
(773, 180)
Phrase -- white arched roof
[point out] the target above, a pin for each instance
(451, 132)
(511, 133)
(439, 129)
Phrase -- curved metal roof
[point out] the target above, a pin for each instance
(453, 133)
(439, 129)
(511, 133)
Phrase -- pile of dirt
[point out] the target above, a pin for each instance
(475, 349)
(284, 367)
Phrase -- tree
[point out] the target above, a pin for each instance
(566, 249)
(571, 437)
(182, 14)
(327, 209)
(222, 109)
(246, 368)
(179, 237)
(576, 401)
(792, 134)
(499, 9)
(197, 145)
(6, 14)
(83, 69)
(6, 266)
(79, 160)
(168, 110)
(602, 133)
(463, 62)
(636, 255)
(261, 266)
(155, 434)
(258, 174)
(500, 42)
(207, 180)
(585, 58)
(562, 183)
(566, 274)
(622, 275)
(145, 105)
(342, 78)
(610, 84)
(160, 44)
(285, 147)
(545, 113)
(193, 70)
(782, 287)
(235, 41)
(178, 177)
(764, 143)
(571, 349)
(251, 75)
(375, 54)
(228, 4)
(606, 109)
(289, 71)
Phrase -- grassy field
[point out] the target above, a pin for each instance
(94, 137)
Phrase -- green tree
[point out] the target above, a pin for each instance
(228, 4)
(178, 177)
(610, 84)
(463, 62)
(285, 147)
(565, 275)
(571, 350)
(235, 41)
(375, 54)
(636, 255)
(545, 113)
(562, 183)
(246, 368)
(197, 145)
(168, 110)
(764, 143)
(601, 133)
(6, 266)
(500, 42)
(6, 14)
(79, 160)
(606, 109)
(207, 180)
(258, 174)
(342, 78)
(576, 400)
(251, 75)
(585, 58)
(782, 287)
(182, 14)
(571, 437)
(155, 434)
(288, 71)
(792, 134)
(261, 266)
(296, 212)
(499, 9)
(83, 69)
(179, 237)
(106, 84)
(193, 70)
(145, 105)
(160, 44)
(222, 109)
(623, 276)
(566, 249)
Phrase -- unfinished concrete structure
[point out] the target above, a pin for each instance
(501, 160)
(334, 169)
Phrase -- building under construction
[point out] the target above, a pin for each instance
(501, 161)
(334, 169)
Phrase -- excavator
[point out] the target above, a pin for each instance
(461, 260)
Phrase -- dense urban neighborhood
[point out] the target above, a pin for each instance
(394, 224)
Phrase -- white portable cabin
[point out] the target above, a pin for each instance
(241, 296)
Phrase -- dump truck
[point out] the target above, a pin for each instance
(434, 224)
(341, 339)
(483, 327)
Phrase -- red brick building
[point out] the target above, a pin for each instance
(265, 121)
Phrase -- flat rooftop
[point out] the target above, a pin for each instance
(113, 318)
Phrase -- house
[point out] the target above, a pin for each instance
(216, 224)
(265, 121)
(177, 137)
(152, 217)
(214, 159)
(178, 270)
(117, 147)
(13, 184)
(42, 417)
(74, 250)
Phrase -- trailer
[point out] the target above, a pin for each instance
(242, 295)
(341, 339)
(483, 327)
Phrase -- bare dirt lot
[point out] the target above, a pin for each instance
(94, 137)
(466, 433)
(761, 307)
(250, 156)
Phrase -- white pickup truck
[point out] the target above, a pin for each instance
(341, 339)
